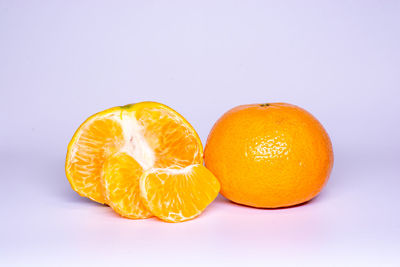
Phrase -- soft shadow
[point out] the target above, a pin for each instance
(222, 199)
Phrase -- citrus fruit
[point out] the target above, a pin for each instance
(269, 155)
(176, 195)
(134, 137)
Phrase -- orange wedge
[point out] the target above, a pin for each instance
(152, 134)
(176, 195)
(120, 180)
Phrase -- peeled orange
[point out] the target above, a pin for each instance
(112, 149)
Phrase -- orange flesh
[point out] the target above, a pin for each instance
(178, 195)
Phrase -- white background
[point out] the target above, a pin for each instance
(61, 61)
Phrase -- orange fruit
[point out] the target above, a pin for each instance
(134, 137)
(269, 155)
(176, 195)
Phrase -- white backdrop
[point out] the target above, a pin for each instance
(63, 61)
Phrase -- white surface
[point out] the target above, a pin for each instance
(60, 62)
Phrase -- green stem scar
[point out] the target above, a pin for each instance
(127, 106)
(265, 105)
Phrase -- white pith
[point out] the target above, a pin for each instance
(174, 171)
(135, 144)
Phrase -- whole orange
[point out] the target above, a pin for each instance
(269, 155)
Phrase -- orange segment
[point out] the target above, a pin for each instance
(176, 195)
(120, 179)
(97, 138)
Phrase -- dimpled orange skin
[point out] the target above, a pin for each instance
(269, 155)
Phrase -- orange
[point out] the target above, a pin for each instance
(269, 155)
(176, 195)
(111, 149)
